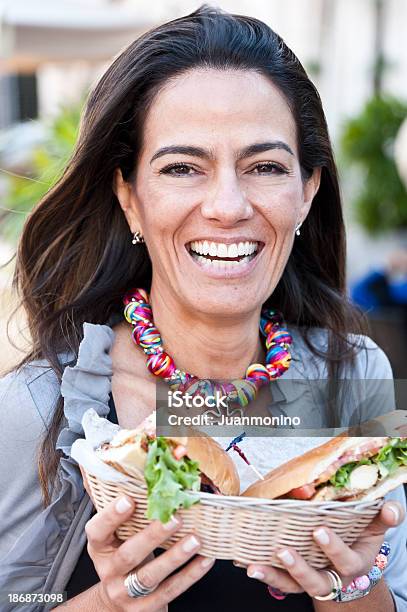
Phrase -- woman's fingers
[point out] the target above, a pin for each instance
(133, 551)
(358, 559)
(115, 560)
(391, 515)
(100, 529)
(175, 585)
(154, 572)
(345, 560)
(313, 581)
(274, 577)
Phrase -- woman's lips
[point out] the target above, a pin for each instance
(218, 267)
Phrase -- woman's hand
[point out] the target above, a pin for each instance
(348, 562)
(114, 560)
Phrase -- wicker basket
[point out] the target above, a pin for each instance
(245, 529)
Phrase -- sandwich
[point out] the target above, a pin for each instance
(174, 468)
(343, 469)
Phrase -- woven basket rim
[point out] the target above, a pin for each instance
(238, 501)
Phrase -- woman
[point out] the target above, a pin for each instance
(205, 129)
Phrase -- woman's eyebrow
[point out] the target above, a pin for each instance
(262, 147)
(182, 150)
(252, 149)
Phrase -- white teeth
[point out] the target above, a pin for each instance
(222, 250)
(220, 264)
(241, 248)
(213, 250)
(232, 250)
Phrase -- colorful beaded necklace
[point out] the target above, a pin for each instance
(139, 313)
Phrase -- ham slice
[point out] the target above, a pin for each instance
(365, 450)
(179, 452)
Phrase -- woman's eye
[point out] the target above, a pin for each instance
(269, 168)
(178, 170)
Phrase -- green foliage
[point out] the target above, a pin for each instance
(367, 141)
(47, 164)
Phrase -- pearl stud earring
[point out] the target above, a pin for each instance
(137, 238)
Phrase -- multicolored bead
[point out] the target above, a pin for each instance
(246, 391)
(381, 561)
(257, 371)
(362, 583)
(385, 549)
(375, 573)
(161, 364)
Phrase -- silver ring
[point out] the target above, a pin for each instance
(336, 586)
(135, 588)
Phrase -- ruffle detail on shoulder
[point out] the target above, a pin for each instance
(88, 383)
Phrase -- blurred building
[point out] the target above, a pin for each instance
(50, 51)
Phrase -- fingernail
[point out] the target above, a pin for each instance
(190, 544)
(286, 557)
(123, 505)
(256, 574)
(321, 535)
(396, 512)
(207, 562)
(172, 523)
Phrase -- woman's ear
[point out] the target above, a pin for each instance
(310, 188)
(127, 200)
(311, 185)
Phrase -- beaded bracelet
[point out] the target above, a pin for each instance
(362, 585)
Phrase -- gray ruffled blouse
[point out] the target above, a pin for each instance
(40, 547)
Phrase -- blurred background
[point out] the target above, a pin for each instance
(355, 52)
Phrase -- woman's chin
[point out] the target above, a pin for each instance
(223, 302)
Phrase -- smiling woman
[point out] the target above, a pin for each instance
(229, 173)
(202, 152)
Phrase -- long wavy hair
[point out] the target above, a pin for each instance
(75, 259)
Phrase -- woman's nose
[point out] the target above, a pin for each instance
(227, 202)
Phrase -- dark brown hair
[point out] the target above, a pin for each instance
(75, 259)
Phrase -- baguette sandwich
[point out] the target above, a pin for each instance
(343, 469)
(173, 467)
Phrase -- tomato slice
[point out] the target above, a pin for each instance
(304, 492)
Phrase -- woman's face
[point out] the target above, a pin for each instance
(218, 191)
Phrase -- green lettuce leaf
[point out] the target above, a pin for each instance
(341, 477)
(170, 482)
(388, 460)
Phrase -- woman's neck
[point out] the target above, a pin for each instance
(205, 345)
